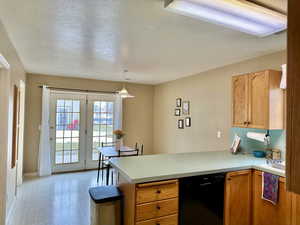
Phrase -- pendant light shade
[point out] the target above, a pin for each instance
(124, 93)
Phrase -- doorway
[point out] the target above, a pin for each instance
(79, 123)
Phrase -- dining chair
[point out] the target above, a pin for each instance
(103, 163)
(133, 152)
(142, 149)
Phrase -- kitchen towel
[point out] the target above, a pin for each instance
(270, 185)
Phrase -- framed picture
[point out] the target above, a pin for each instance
(186, 108)
(177, 112)
(188, 122)
(178, 102)
(180, 124)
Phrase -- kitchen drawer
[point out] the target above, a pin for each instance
(156, 191)
(156, 209)
(166, 220)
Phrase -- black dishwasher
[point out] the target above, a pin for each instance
(201, 200)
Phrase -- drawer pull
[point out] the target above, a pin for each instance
(158, 191)
(157, 223)
(158, 207)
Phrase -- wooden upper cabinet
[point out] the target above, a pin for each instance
(240, 100)
(238, 192)
(259, 95)
(266, 213)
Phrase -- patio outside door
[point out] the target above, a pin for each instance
(79, 123)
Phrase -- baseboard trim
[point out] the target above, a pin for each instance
(34, 174)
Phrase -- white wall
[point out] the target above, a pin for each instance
(209, 94)
(16, 74)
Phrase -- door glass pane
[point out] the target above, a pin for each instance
(102, 125)
(67, 131)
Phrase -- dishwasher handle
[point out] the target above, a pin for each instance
(205, 184)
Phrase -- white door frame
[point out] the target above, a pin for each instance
(4, 126)
(21, 133)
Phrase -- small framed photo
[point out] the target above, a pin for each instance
(178, 102)
(186, 108)
(180, 124)
(177, 112)
(188, 122)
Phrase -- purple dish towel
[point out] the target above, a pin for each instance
(270, 187)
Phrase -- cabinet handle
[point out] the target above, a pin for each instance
(229, 179)
(245, 123)
(157, 223)
(158, 207)
(158, 191)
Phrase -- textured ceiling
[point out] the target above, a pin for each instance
(98, 39)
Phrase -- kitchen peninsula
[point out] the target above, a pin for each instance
(153, 188)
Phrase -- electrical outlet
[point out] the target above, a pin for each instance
(219, 134)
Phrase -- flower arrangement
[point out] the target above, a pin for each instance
(119, 134)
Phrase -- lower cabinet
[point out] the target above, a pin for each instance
(154, 203)
(238, 189)
(266, 213)
(295, 209)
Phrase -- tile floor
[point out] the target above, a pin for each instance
(56, 200)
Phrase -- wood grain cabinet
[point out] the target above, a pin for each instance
(295, 209)
(258, 101)
(266, 213)
(150, 203)
(238, 192)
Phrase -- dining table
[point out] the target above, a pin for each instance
(108, 152)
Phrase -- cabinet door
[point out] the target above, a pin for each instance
(296, 209)
(238, 188)
(266, 213)
(239, 101)
(258, 100)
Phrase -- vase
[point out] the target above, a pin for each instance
(119, 144)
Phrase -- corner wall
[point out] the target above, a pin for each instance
(209, 94)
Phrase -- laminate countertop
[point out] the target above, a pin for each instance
(149, 168)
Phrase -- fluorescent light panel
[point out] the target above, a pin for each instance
(239, 15)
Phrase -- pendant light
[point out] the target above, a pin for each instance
(124, 93)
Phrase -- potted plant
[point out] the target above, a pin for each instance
(119, 138)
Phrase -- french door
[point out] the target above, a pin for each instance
(79, 124)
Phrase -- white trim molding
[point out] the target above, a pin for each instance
(4, 127)
(3, 63)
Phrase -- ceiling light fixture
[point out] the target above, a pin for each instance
(240, 15)
(124, 93)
